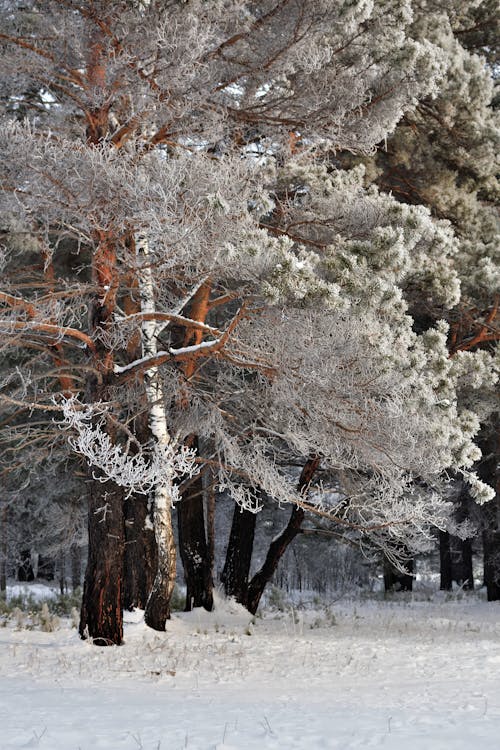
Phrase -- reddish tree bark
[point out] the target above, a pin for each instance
(101, 615)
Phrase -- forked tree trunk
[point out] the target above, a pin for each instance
(101, 615)
(280, 544)
(193, 547)
(239, 555)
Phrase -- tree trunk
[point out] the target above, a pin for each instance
(491, 549)
(239, 555)
(158, 605)
(193, 545)
(76, 566)
(280, 544)
(445, 561)
(395, 580)
(488, 470)
(25, 569)
(141, 554)
(464, 573)
(101, 614)
(193, 548)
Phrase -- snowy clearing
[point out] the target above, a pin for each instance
(393, 674)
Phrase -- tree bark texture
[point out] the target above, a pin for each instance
(239, 555)
(158, 605)
(141, 554)
(279, 545)
(194, 549)
(101, 615)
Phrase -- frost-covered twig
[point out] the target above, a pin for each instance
(154, 466)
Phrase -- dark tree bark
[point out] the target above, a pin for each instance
(102, 609)
(141, 549)
(239, 555)
(25, 569)
(463, 573)
(491, 551)
(102, 604)
(488, 470)
(395, 580)
(193, 547)
(446, 581)
(281, 543)
(141, 553)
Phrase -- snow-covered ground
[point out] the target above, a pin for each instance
(407, 675)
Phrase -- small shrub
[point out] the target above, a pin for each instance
(276, 599)
(48, 621)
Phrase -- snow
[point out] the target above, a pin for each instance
(120, 369)
(418, 675)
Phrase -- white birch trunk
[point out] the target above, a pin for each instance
(158, 605)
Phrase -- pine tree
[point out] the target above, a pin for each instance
(160, 149)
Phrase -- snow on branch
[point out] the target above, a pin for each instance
(158, 466)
